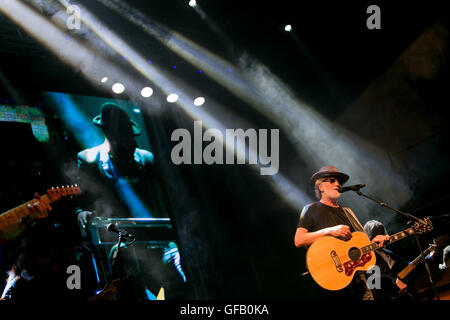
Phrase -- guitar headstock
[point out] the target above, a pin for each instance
(423, 227)
(63, 192)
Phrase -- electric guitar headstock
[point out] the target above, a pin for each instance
(63, 192)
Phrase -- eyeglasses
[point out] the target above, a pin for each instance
(330, 180)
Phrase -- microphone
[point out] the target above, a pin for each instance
(112, 228)
(355, 187)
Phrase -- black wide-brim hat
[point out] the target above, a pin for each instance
(114, 120)
(330, 171)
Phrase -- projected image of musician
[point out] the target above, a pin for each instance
(121, 180)
(327, 218)
(117, 174)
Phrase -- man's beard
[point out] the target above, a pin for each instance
(333, 195)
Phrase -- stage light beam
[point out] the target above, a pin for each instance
(216, 68)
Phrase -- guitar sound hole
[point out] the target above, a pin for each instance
(354, 254)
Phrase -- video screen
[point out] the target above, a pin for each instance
(90, 160)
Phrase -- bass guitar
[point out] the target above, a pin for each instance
(332, 263)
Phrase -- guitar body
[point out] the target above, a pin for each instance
(332, 262)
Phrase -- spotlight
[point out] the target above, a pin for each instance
(118, 88)
(137, 110)
(173, 97)
(104, 79)
(192, 3)
(288, 28)
(199, 101)
(146, 92)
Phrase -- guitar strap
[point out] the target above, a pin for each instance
(353, 220)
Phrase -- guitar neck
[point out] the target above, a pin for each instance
(395, 237)
(402, 274)
(16, 214)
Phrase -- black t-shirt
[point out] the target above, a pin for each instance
(317, 216)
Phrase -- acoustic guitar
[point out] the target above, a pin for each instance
(16, 215)
(332, 263)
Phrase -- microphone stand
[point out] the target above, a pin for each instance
(116, 259)
(117, 264)
(384, 204)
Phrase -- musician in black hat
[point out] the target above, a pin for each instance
(327, 218)
(119, 177)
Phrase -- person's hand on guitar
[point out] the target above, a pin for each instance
(39, 208)
(341, 231)
(380, 239)
(434, 251)
(400, 284)
(16, 220)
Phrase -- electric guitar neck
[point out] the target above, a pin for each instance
(413, 264)
(410, 267)
(16, 215)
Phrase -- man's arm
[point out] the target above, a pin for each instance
(86, 165)
(304, 238)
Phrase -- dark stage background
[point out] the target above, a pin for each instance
(383, 91)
